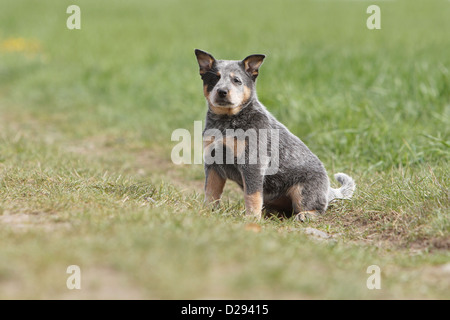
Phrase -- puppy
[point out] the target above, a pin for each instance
(244, 143)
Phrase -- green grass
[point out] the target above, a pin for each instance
(86, 176)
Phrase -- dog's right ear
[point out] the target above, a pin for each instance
(252, 64)
(205, 61)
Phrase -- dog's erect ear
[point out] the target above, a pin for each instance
(252, 64)
(205, 60)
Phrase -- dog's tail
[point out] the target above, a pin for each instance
(345, 191)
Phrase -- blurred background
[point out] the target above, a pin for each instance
(378, 97)
(86, 118)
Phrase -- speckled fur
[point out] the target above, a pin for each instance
(297, 165)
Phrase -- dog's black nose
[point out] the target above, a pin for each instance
(222, 93)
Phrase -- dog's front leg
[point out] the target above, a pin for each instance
(253, 191)
(253, 204)
(214, 184)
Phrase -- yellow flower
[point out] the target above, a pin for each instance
(20, 45)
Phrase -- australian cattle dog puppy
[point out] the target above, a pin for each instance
(244, 143)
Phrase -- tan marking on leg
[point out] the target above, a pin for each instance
(253, 204)
(214, 185)
(295, 193)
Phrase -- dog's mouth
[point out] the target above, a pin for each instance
(225, 103)
(224, 108)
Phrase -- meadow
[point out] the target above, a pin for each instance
(86, 176)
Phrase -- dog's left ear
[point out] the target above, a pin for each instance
(205, 61)
(252, 64)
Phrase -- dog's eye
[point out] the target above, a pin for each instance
(237, 80)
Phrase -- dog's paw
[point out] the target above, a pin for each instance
(306, 216)
(213, 205)
(256, 216)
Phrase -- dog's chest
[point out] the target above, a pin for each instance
(228, 124)
(246, 120)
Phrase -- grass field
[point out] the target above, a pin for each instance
(86, 177)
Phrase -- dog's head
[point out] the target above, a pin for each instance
(228, 85)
